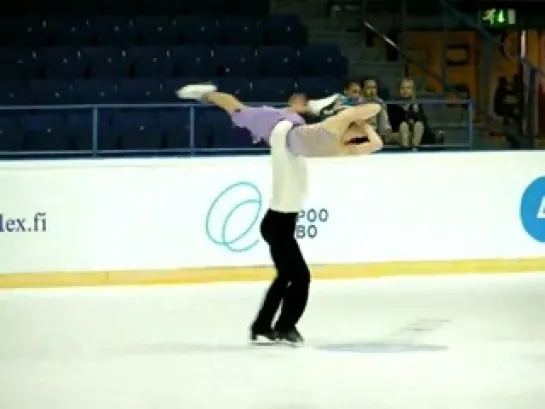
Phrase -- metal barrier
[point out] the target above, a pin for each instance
(194, 146)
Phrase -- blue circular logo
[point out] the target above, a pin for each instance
(532, 209)
(233, 215)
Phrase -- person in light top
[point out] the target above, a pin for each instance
(291, 140)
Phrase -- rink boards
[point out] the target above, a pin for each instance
(124, 221)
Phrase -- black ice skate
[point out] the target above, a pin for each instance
(263, 337)
(291, 337)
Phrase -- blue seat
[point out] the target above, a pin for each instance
(151, 62)
(208, 7)
(46, 132)
(62, 62)
(284, 29)
(272, 89)
(241, 31)
(157, 30)
(166, 7)
(256, 8)
(106, 62)
(14, 93)
(51, 92)
(175, 127)
(19, 63)
(71, 31)
(277, 61)
(193, 61)
(85, 7)
(108, 135)
(319, 87)
(200, 30)
(121, 7)
(94, 91)
(322, 60)
(114, 31)
(138, 130)
(80, 123)
(26, 31)
(11, 136)
(238, 86)
(237, 61)
(139, 91)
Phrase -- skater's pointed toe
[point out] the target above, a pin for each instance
(195, 91)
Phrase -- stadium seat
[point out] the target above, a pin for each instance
(46, 132)
(241, 31)
(114, 31)
(85, 7)
(157, 30)
(106, 62)
(175, 127)
(26, 31)
(138, 130)
(51, 92)
(237, 61)
(19, 63)
(13, 93)
(151, 62)
(200, 30)
(193, 61)
(256, 9)
(139, 91)
(278, 61)
(321, 60)
(71, 31)
(62, 62)
(240, 87)
(94, 91)
(209, 7)
(284, 29)
(272, 89)
(166, 7)
(80, 123)
(11, 137)
(319, 87)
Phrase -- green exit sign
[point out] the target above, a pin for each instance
(499, 17)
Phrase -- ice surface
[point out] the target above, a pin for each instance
(471, 342)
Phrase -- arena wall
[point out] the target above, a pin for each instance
(136, 221)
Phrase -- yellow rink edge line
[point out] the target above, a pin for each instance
(259, 273)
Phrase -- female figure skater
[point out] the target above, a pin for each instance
(291, 140)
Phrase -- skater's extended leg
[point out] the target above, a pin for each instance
(209, 93)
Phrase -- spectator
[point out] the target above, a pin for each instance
(351, 95)
(409, 119)
(507, 105)
(382, 121)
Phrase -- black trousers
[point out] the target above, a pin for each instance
(290, 288)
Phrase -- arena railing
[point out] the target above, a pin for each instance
(193, 145)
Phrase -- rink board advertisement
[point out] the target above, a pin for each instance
(159, 214)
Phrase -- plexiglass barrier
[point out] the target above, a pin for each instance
(171, 129)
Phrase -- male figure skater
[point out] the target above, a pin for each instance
(291, 140)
